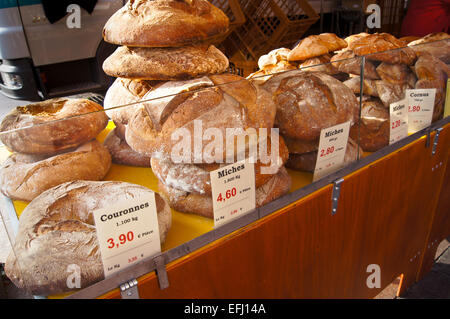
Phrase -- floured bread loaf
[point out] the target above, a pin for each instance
(373, 133)
(121, 152)
(52, 126)
(307, 102)
(277, 186)
(307, 161)
(195, 178)
(23, 177)
(217, 101)
(57, 230)
(346, 61)
(383, 47)
(165, 23)
(316, 45)
(165, 63)
(436, 44)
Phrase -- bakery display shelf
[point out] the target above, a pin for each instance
(185, 227)
(196, 268)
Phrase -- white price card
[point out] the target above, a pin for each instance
(398, 114)
(127, 232)
(420, 108)
(233, 191)
(331, 152)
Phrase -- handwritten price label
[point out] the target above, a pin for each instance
(398, 115)
(420, 108)
(127, 232)
(332, 147)
(233, 191)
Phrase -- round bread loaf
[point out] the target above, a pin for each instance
(165, 23)
(57, 229)
(316, 45)
(307, 161)
(307, 102)
(277, 186)
(177, 109)
(301, 146)
(374, 130)
(52, 126)
(273, 58)
(165, 64)
(121, 152)
(383, 47)
(194, 178)
(24, 176)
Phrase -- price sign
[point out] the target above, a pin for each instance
(420, 108)
(331, 152)
(127, 232)
(398, 115)
(233, 191)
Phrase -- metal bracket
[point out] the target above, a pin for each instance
(335, 195)
(161, 272)
(129, 290)
(436, 139)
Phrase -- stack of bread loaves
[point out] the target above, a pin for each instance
(390, 68)
(159, 41)
(167, 68)
(308, 95)
(52, 142)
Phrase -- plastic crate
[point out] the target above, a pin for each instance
(233, 11)
(270, 24)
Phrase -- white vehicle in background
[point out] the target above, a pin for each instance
(40, 60)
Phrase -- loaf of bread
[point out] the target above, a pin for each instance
(165, 63)
(57, 229)
(23, 176)
(194, 203)
(433, 73)
(217, 101)
(307, 102)
(316, 45)
(374, 129)
(52, 126)
(369, 86)
(165, 23)
(436, 44)
(383, 47)
(121, 152)
(347, 61)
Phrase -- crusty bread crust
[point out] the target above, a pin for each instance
(165, 23)
(52, 126)
(23, 177)
(165, 64)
